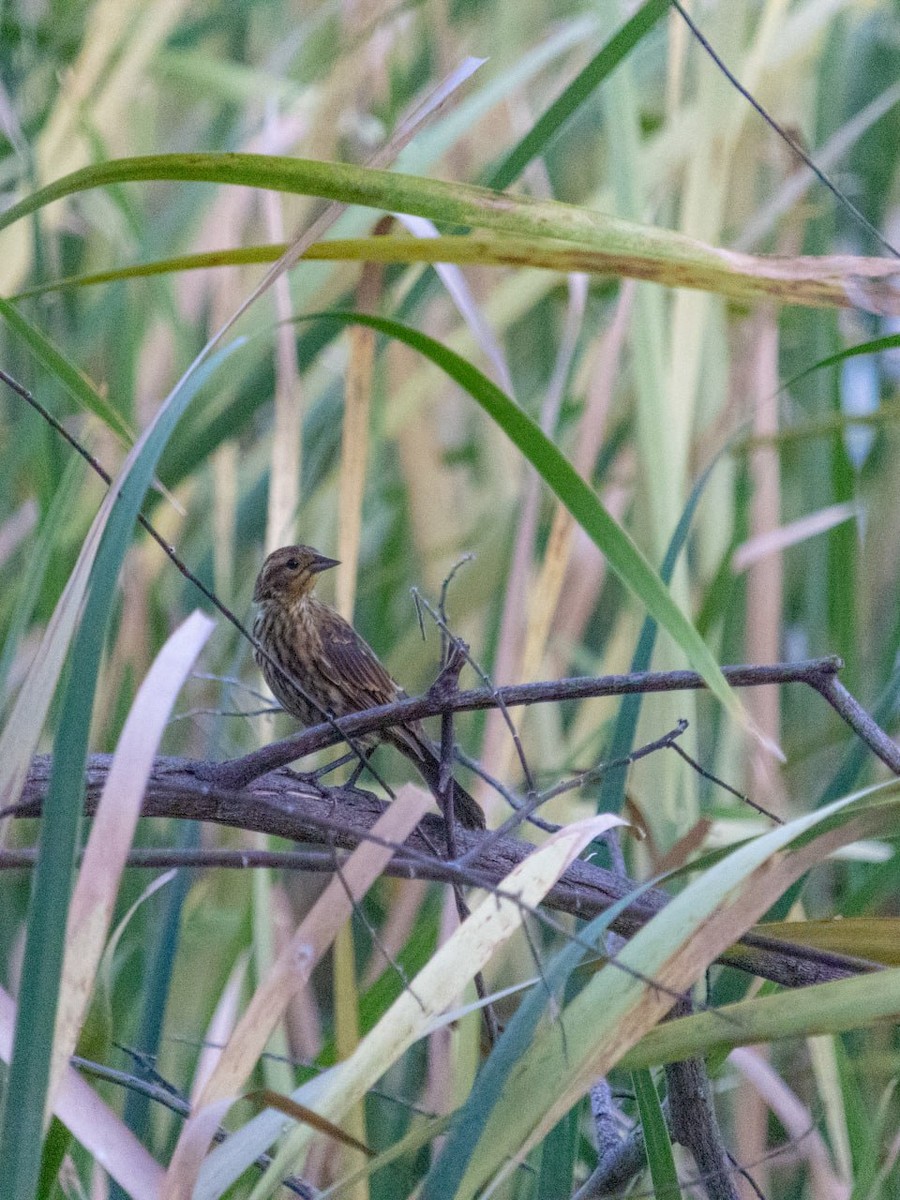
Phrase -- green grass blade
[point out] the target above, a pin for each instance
(161, 964)
(29, 1072)
(612, 785)
(660, 1158)
(875, 346)
(21, 1133)
(559, 1156)
(822, 1008)
(582, 86)
(76, 384)
(32, 580)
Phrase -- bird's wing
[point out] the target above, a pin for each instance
(352, 664)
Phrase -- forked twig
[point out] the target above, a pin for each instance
(440, 619)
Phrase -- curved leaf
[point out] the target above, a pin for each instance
(642, 251)
(666, 957)
(623, 555)
(822, 1008)
(76, 384)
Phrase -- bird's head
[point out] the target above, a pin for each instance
(289, 574)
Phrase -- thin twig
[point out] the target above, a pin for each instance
(514, 801)
(190, 713)
(359, 911)
(440, 621)
(593, 774)
(162, 1092)
(813, 672)
(851, 711)
(512, 823)
(442, 603)
(702, 771)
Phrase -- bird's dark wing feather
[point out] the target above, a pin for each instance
(352, 664)
(356, 674)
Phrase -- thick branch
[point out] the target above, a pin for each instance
(693, 1122)
(818, 674)
(284, 806)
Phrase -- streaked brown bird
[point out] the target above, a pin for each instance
(333, 665)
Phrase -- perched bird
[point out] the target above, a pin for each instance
(333, 664)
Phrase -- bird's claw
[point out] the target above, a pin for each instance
(310, 778)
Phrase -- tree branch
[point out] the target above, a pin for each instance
(693, 1122)
(288, 807)
(817, 673)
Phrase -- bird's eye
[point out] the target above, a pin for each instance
(292, 564)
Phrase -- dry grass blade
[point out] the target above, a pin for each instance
(797, 1120)
(355, 435)
(284, 473)
(782, 537)
(354, 462)
(461, 294)
(221, 1026)
(266, 1098)
(458, 960)
(592, 428)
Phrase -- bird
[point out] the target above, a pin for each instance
(338, 671)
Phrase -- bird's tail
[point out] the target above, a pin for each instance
(424, 754)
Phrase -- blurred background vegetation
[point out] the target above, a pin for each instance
(793, 550)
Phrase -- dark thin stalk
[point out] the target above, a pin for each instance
(521, 814)
(440, 619)
(783, 133)
(168, 1097)
(454, 655)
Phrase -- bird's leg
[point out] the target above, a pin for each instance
(361, 764)
(310, 777)
(350, 756)
(321, 772)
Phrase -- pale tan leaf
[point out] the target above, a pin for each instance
(797, 1120)
(433, 990)
(774, 541)
(113, 829)
(93, 1124)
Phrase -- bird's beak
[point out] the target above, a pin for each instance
(321, 563)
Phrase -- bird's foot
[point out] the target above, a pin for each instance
(310, 778)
